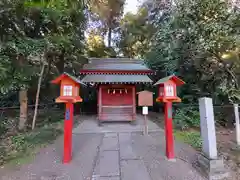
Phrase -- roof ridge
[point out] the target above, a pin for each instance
(115, 60)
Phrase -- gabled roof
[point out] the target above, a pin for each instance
(113, 78)
(115, 64)
(59, 78)
(174, 78)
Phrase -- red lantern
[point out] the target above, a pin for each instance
(70, 87)
(69, 94)
(168, 94)
(168, 89)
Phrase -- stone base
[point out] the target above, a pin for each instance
(100, 123)
(213, 169)
(170, 160)
(236, 148)
(133, 122)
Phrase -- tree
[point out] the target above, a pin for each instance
(38, 92)
(109, 13)
(191, 42)
(31, 28)
(135, 34)
(96, 46)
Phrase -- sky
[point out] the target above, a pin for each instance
(131, 6)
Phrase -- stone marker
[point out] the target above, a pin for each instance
(236, 112)
(209, 145)
(210, 163)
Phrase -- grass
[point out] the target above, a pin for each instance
(189, 136)
(22, 147)
(192, 138)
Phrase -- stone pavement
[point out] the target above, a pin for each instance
(114, 151)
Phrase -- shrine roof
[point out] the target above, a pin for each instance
(115, 64)
(113, 78)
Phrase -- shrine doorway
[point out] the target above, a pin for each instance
(117, 102)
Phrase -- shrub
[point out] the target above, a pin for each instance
(193, 138)
(186, 118)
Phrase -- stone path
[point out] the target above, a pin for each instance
(111, 152)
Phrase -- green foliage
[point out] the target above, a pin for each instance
(186, 118)
(22, 145)
(135, 33)
(191, 41)
(33, 29)
(108, 13)
(33, 33)
(3, 127)
(96, 46)
(192, 138)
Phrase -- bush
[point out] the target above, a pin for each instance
(3, 128)
(192, 138)
(24, 144)
(186, 118)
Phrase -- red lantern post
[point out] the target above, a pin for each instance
(69, 94)
(168, 94)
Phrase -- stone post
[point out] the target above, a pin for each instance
(236, 112)
(211, 165)
(209, 145)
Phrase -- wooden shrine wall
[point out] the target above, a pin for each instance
(117, 103)
(117, 99)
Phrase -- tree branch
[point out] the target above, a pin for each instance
(226, 68)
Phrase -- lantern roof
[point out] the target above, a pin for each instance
(66, 75)
(173, 78)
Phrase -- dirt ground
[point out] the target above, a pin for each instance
(227, 149)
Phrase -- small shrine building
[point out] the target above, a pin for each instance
(115, 80)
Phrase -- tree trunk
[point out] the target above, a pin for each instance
(37, 96)
(23, 99)
(109, 36)
(61, 62)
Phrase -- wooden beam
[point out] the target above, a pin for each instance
(23, 99)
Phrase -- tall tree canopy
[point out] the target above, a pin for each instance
(96, 46)
(197, 40)
(109, 13)
(31, 29)
(135, 34)
(194, 40)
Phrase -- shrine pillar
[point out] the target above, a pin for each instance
(99, 102)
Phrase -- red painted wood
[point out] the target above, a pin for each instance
(169, 131)
(117, 99)
(68, 124)
(165, 91)
(114, 107)
(134, 102)
(99, 102)
(85, 71)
